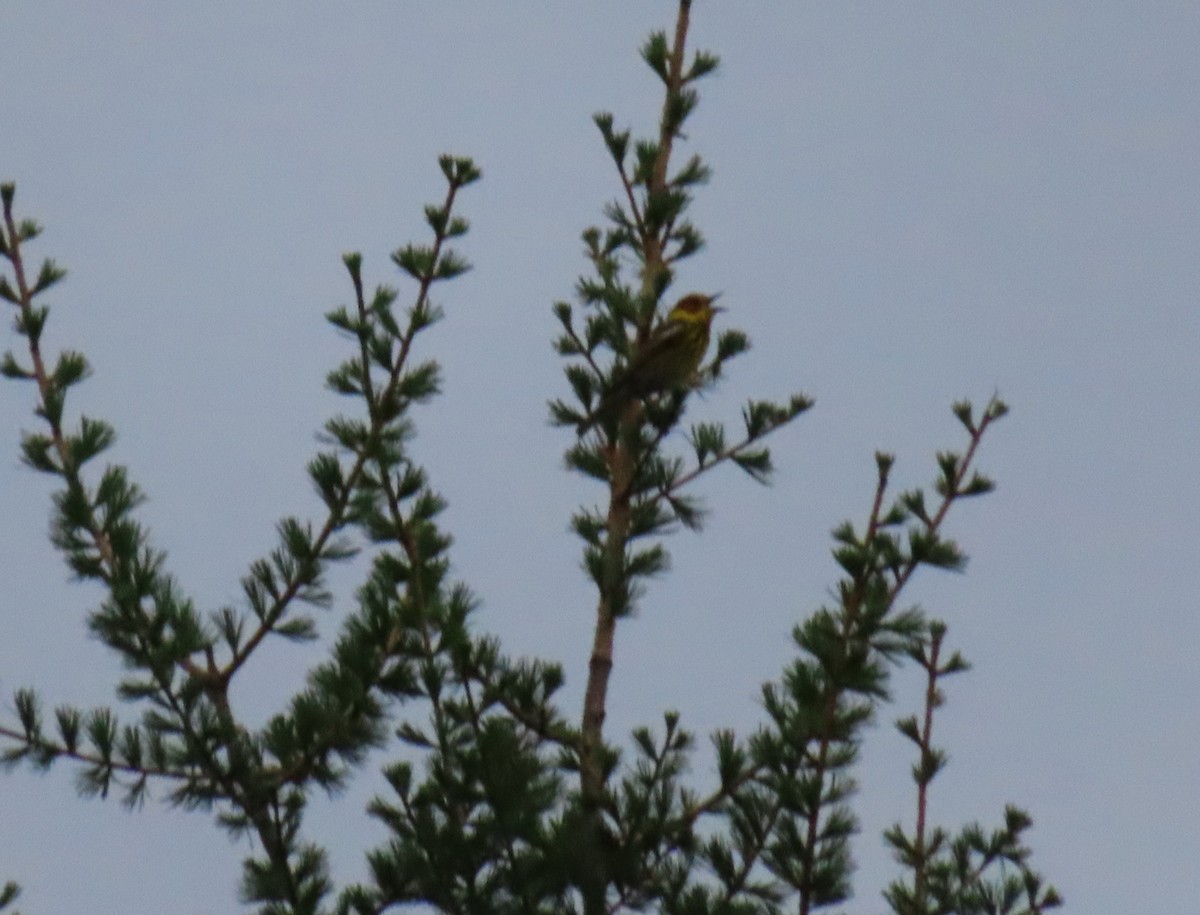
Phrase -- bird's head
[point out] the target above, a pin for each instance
(695, 307)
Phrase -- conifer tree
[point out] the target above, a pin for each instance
(499, 800)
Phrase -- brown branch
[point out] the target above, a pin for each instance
(852, 601)
(719, 458)
(61, 751)
(950, 496)
(70, 470)
(931, 700)
(674, 84)
(613, 584)
(621, 474)
(334, 518)
(638, 220)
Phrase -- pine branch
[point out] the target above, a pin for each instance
(335, 518)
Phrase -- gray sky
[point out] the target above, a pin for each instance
(912, 203)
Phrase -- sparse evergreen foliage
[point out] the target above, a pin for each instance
(8, 895)
(498, 802)
(973, 873)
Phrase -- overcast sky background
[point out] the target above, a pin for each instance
(912, 203)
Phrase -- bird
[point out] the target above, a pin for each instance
(667, 360)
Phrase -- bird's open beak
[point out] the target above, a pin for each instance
(712, 298)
